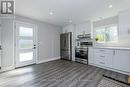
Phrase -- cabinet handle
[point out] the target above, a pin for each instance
(102, 56)
(128, 31)
(101, 62)
(114, 52)
(101, 50)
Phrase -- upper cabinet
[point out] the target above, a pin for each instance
(79, 29)
(68, 28)
(84, 28)
(124, 23)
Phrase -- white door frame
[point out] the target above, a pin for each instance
(15, 40)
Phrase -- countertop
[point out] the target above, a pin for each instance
(118, 48)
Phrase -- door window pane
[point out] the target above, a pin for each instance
(25, 31)
(25, 44)
(26, 56)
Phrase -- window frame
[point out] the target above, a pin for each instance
(105, 27)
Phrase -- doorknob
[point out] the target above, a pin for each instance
(34, 46)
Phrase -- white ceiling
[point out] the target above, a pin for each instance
(64, 10)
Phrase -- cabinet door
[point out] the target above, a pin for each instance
(121, 60)
(65, 30)
(103, 57)
(124, 23)
(99, 59)
(109, 60)
(90, 56)
(83, 28)
(0, 45)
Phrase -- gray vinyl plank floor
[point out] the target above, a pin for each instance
(58, 73)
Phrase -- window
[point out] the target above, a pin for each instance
(106, 34)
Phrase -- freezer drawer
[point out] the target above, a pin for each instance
(66, 55)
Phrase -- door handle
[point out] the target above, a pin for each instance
(102, 50)
(102, 56)
(34, 47)
(102, 62)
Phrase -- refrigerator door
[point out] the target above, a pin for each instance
(66, 52)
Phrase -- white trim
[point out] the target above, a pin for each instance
(36, 42)
(36, 39)
(38, 62)
(47, 60)
(14, 43)
(7, 68)
(22, 22)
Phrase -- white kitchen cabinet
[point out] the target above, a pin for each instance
(109, 60)
(114, 59)
(0, 61)
(0, 45)
(103, 57)
(124, 23)
(121, 60)
(99, 59)
(90, 55)
(68, 28)
(84, 28)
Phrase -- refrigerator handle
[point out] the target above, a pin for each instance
(64, 43)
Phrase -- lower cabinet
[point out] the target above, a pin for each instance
(103, 58)
(0, 61)
(109, 60)
(90, 55)
(0, 58)
(117, 60)
(121, 60)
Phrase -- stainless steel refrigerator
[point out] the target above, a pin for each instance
(66, 46)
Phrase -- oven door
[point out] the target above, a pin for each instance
(81, 54)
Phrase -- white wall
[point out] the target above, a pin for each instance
(48, 39)
(104, 22)
(7, 43)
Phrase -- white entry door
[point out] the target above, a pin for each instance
(25, 44)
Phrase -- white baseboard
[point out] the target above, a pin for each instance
(43, 61)
(47, 60)
(7, 68)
